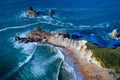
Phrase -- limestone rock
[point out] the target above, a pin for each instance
(114, 33)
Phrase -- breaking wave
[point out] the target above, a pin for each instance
(16, 27)
(27, 50)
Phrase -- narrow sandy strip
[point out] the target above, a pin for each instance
(87, 70)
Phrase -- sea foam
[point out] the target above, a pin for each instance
(16, 27)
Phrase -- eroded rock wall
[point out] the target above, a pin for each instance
(78, 47)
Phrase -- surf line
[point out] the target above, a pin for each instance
(24, 26)
(20, 64)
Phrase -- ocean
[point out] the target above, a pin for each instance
(92, 19)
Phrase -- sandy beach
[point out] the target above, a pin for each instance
(87, 70)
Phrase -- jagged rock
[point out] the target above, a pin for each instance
(38, 34)
(17, 38)
(34, 36)
(23, 40)
(114, 33)
(30, 40)
(30, 13)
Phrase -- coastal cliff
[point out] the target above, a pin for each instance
(79, 47)
(82, 52)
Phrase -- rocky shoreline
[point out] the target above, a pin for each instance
(80, 55)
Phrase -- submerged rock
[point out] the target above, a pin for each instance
(51, 12)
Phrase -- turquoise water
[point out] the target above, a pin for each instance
(93, 19)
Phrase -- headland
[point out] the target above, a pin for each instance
(93, 62)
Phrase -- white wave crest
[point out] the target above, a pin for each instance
(71, 71)
(59, 53)
(28, 57)
(27, 49)
(22, 15)
(16, 27)
(40, 68)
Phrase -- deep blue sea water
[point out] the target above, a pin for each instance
(92, 19)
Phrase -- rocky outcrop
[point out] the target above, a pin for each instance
(38, 34)
(17, 38)
(25, 40)
(79, 48)
(114, 34)
(30, 13)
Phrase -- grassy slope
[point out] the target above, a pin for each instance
(109, 58)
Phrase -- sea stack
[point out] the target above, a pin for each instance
(30, 13)
(114, 34)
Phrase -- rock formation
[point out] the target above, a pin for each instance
(38, 34)
(17, 38)
(78, 47)
(30, 13)
(25, 40)
(114, 34)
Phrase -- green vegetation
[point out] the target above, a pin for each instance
(109, 58)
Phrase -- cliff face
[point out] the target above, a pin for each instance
(85, 55)
(80, 50)
(79, 47)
